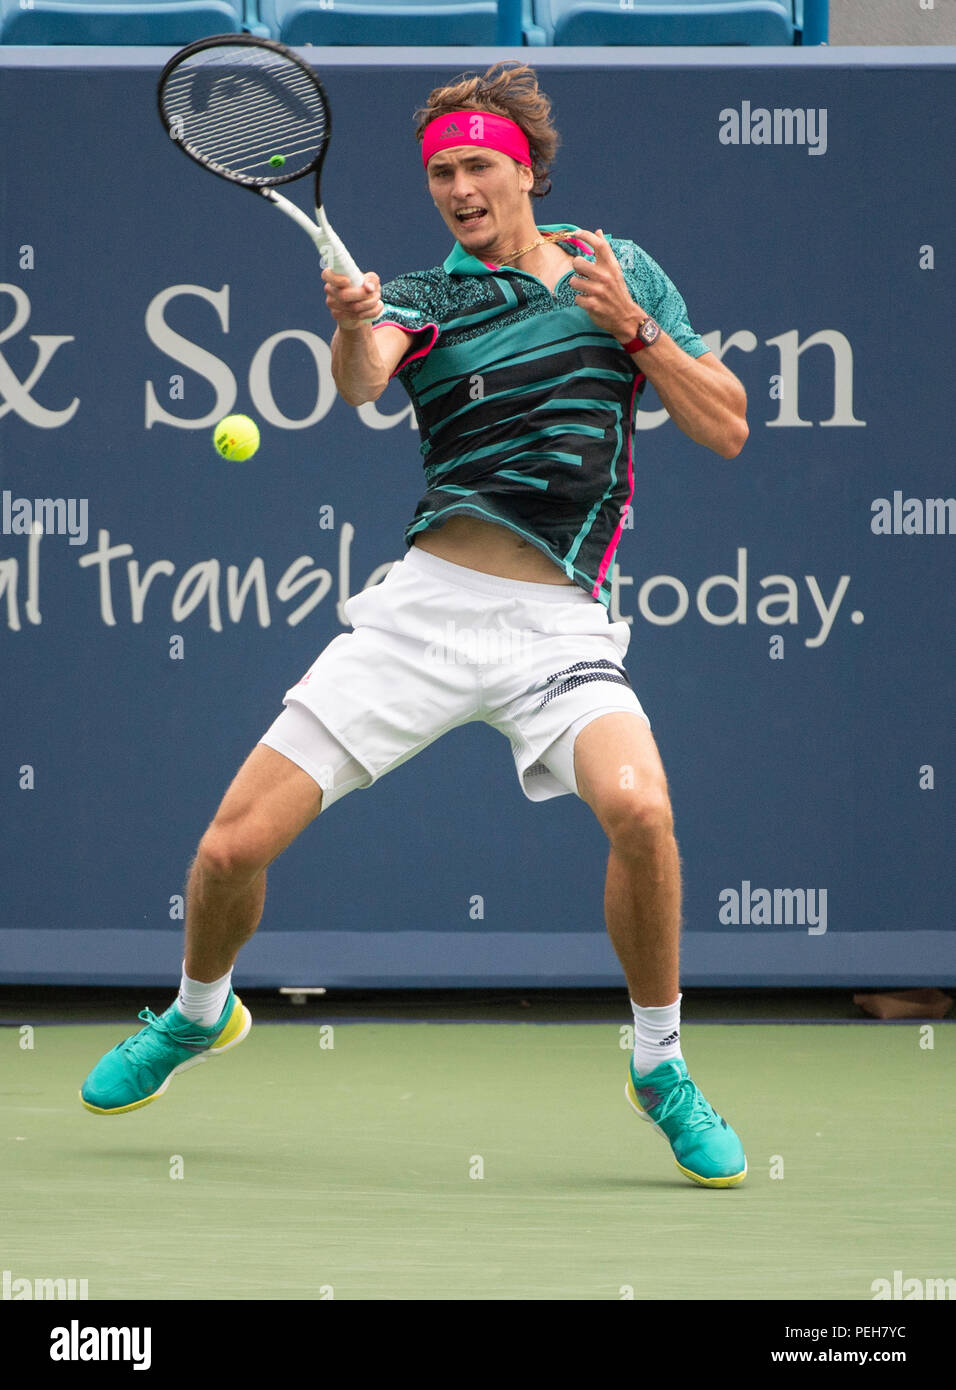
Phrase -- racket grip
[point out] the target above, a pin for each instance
(328, 245)
(333, 252)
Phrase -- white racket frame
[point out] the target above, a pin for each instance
(330, 247)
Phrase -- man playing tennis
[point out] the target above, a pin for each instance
(525, 356)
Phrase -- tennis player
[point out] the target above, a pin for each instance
(525, 355)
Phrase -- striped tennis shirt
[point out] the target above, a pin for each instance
(525, 407)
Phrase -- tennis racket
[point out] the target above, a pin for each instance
(252, 112)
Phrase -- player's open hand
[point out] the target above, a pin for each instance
(352, 305)
(601, 290)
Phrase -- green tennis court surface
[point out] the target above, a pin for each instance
(352, 1170)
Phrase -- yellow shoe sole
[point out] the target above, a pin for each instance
(734, 1179)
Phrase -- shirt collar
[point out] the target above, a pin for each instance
(461, 262)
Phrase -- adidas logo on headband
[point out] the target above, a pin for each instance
(482, 128)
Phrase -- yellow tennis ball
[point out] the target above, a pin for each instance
(236, 437)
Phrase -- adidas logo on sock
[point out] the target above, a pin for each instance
(671, 1038)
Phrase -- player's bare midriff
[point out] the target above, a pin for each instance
(481, 545)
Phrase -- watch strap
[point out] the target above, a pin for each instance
(639, 341)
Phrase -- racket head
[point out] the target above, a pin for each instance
(238, 105)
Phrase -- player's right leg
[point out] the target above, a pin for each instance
(269, 803)
(388, 689)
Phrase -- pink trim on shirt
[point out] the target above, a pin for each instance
(609, 553)
(411, 333)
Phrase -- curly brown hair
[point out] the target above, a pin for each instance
(509, 89)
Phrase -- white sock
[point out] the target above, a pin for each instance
(656, 1035)
(203, 1003)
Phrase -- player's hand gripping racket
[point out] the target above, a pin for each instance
(252, 112)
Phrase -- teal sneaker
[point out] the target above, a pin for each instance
(139, 1069)
(705, 1148)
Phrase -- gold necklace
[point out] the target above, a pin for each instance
(548, 236)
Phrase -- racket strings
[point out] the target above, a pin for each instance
(226, 116)
(239, 109)
(240, 137)
(249, 140)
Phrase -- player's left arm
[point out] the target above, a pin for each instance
(701, 395)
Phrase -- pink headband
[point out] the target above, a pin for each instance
(475, 128)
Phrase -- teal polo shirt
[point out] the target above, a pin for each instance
(525, 407)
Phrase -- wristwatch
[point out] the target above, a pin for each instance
(648, 332)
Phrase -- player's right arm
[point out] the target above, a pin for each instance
(363, 359)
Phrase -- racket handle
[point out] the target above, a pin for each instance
(328, 245)
(333, 250)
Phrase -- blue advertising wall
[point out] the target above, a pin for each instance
(792, 610)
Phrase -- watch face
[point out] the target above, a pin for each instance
(649, 331)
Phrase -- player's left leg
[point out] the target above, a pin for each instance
(620, 776)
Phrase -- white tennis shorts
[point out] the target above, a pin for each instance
(436, 645)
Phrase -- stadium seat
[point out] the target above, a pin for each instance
(167, 23)
(679, 22)
(418, 23)
(410, 23)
